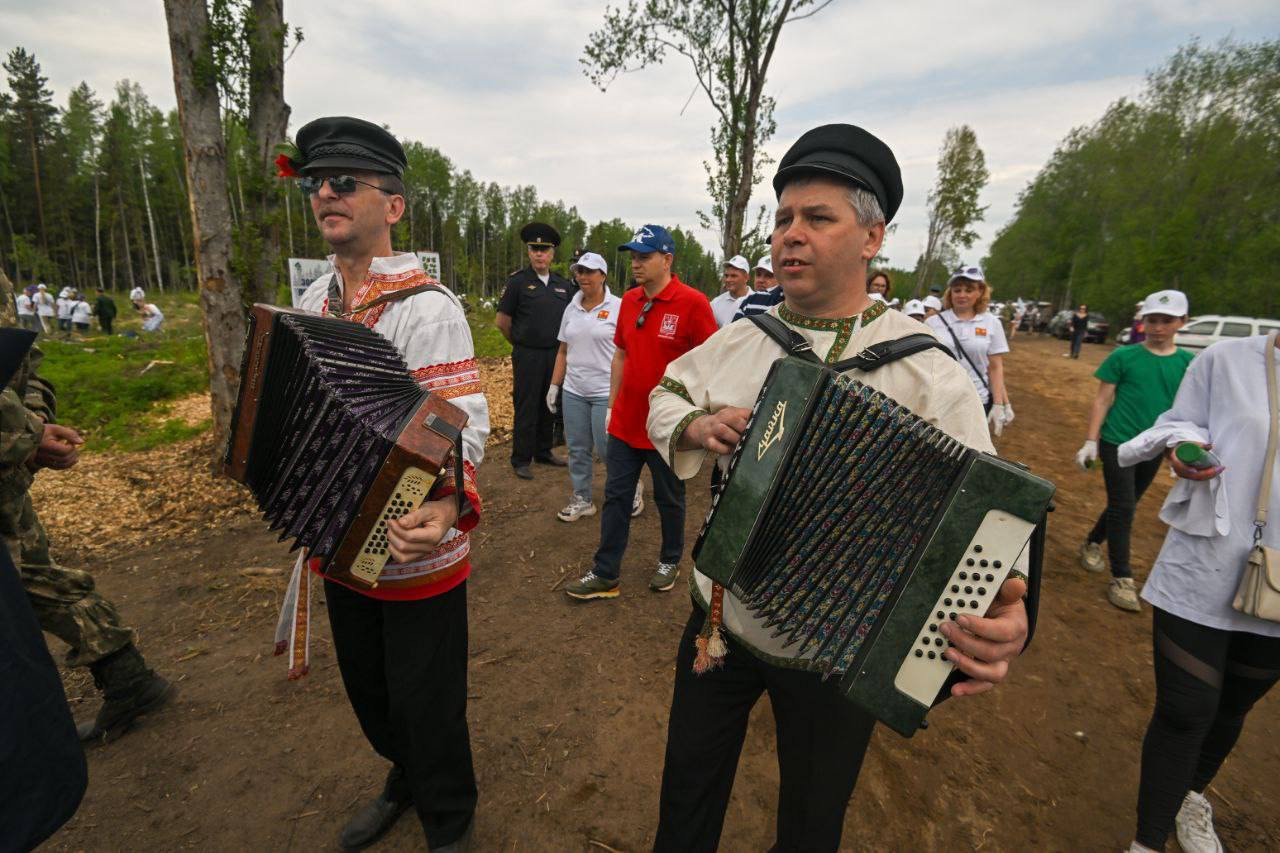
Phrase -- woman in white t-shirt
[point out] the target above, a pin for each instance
(152, 317)
(976, 337)
(582, 373)
(81, 313)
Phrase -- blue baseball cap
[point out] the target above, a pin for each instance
(650, 238)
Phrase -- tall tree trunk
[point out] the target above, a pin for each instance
(97, 227)
(268, 124)
(124, 232)
(35, 179)
(205, 151)
(151, 222)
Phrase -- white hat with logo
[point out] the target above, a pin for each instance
(933, 302)
(766, 264)
(591, 261)
(739, 262)
(913, 308)
(973, 273)
(1171, 302)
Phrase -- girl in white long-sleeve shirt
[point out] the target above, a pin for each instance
(1211, 663)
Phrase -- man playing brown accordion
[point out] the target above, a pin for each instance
(837, 188)
(401, 648)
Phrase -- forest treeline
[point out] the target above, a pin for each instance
(1176, 188)
(93, 193)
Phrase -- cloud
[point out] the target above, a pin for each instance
(499, 89)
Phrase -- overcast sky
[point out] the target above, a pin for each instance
(498, 88)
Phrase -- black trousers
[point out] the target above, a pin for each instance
(1207, 680)
(821, 741)
(404, 665)
(105, 323)
(531, 377)
(624, 465)
(1125, 487)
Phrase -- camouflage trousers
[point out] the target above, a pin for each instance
(64, 599)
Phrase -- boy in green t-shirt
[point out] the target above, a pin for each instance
(1138, 384)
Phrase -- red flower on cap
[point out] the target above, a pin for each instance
(284, 167)
(288, 160)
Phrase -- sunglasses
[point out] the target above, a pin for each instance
(340, 184)
(645, 310)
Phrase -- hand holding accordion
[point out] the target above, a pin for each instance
(336, 440)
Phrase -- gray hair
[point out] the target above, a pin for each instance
(864, 203)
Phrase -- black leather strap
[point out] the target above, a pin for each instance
(874, 356)
(965, 354)
(449, 431)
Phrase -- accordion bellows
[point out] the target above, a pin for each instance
(850, 529)
(334, 437)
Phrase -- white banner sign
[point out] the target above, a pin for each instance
(430, 263)
(303, 271)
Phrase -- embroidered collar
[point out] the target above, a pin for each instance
(386, 275)
(834, 324)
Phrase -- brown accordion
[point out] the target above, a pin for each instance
(335, 438)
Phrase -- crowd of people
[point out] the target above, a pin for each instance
(657, 376)
(70, 312)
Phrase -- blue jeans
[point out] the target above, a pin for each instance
(583, 432)
(624, 464)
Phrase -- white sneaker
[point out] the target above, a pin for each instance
(1123, 593)
(637, 502)
(1195, 825)
(1091, 557)
(577, 508)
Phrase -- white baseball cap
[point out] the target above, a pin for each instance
(591, 261)
(1171, 302)
(933, 302)
(738, 262)
(765, 263)
(913, 307)
(973, 273)
(878, 297)
(41, 287)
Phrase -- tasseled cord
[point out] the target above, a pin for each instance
(710, 640)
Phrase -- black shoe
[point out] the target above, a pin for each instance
(550, 459)
(523, 472)
(129, 690)
(462, 845)
(372, 822)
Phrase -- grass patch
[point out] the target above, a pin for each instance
(107, 390)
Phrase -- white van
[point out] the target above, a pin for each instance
(1200, 332)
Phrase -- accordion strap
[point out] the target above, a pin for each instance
(874, 356)
(396, 296)
(451, 432)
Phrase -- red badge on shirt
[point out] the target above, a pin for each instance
(603, 315)
(980, 332)
(668, 329)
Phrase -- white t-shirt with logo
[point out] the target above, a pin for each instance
(982, 337)
(589, 349)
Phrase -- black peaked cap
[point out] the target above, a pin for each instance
(848, 152)
(540, 234)
(343, 142)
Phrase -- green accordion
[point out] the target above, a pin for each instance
(849, 530)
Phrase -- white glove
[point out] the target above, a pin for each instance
(553, 393)
(995, 420)
(1008, 413)
(1088, 454)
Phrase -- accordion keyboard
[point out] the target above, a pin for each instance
(971, 589)
(407, 496)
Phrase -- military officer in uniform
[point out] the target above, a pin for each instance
(529, 317)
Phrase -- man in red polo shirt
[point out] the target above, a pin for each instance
(659, 321)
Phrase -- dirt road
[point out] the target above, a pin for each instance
(569, 701)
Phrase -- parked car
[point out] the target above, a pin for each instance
(1095, 333)
(1208, 329)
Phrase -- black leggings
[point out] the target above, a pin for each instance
(1207, 679)
(1124, 488)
